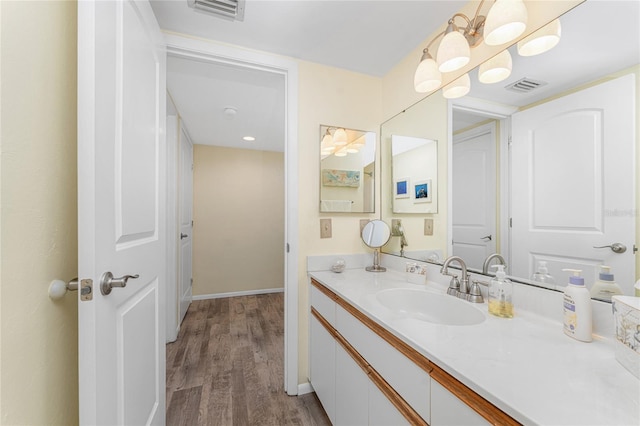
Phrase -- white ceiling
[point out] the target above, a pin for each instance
(368, 36)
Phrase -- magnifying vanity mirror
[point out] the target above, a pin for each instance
(540, 167)
(375, 234)
(347, 170)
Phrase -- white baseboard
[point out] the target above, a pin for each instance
(237, 293)
(304, 388)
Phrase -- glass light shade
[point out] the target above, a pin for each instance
(341, 153)
(351, 149)
(427, 76)
(506, 20)
(542, 40)
(327, 142)
(340, 137)
(496, 69)
(453, 52)
(458, 88)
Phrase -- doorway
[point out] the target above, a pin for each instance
(210, 53)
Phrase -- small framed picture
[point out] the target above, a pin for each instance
(401, 188)
(422, 191)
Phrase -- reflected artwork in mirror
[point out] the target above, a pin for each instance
(414, 170)
(347, 170)
(529, 167)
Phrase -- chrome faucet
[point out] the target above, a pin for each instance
(487, 261)
(461, 289)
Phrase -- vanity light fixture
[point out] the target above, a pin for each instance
(542, 40)
(427, 77)
(496, 69)
(340, 137)
(505, 21)
(457, 88)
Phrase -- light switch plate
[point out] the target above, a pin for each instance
(428, 227)
(325, 228)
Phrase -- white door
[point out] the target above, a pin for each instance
(121, 212)
(573, 183)
(186, 222)
(474, 194)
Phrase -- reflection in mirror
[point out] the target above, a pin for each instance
(375, 234)
(567, 182)
(347, 166)
(414, 170)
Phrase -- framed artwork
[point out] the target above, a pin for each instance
(345, 178)
(401, 188)
(422, 191)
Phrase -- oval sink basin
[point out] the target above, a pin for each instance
(430, 307)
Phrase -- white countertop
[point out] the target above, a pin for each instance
(526, 366)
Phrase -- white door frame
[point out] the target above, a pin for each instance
(502, 113)
(224, 54)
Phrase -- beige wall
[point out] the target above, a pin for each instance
(38, 214)
(238, 199)
(342, 98)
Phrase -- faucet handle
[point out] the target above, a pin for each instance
(454, 285)
(475, 296)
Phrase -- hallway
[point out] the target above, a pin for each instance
(226, 368)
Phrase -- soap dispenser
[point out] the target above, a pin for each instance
(577, 308)
(605, 286)
(500, 294)
(542, 276)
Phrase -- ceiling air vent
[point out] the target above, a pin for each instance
(228, 9)
(525, 85)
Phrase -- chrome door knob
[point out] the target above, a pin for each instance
(108, 282)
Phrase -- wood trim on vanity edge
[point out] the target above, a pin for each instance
(487, 410)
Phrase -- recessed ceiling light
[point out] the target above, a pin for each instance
(249, 138)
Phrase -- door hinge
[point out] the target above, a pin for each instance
(192, 224)
(287, 247)
(510, 142)
(510, 222)
(635, 249)
(86, 290)
(191, 282)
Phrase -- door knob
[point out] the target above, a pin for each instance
(107, 282)
(183, 236)
(615, 247)
(486, 238)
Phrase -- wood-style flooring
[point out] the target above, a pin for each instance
(226, 367)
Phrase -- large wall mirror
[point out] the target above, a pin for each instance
(540, 167)
(347, 170)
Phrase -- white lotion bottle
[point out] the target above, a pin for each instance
(578, 321)
(605, 286)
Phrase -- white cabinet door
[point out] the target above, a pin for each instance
(352, 391)
(323, 366)
(381, 411)
(447, 409)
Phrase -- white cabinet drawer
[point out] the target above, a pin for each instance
(324, 305)
(410, 381)
(447, 409)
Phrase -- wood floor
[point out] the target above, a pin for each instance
(226, 368)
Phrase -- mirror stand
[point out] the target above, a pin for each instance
(376, 263)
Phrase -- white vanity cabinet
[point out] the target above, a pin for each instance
(365, 375)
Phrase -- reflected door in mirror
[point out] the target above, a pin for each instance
(573, 183)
